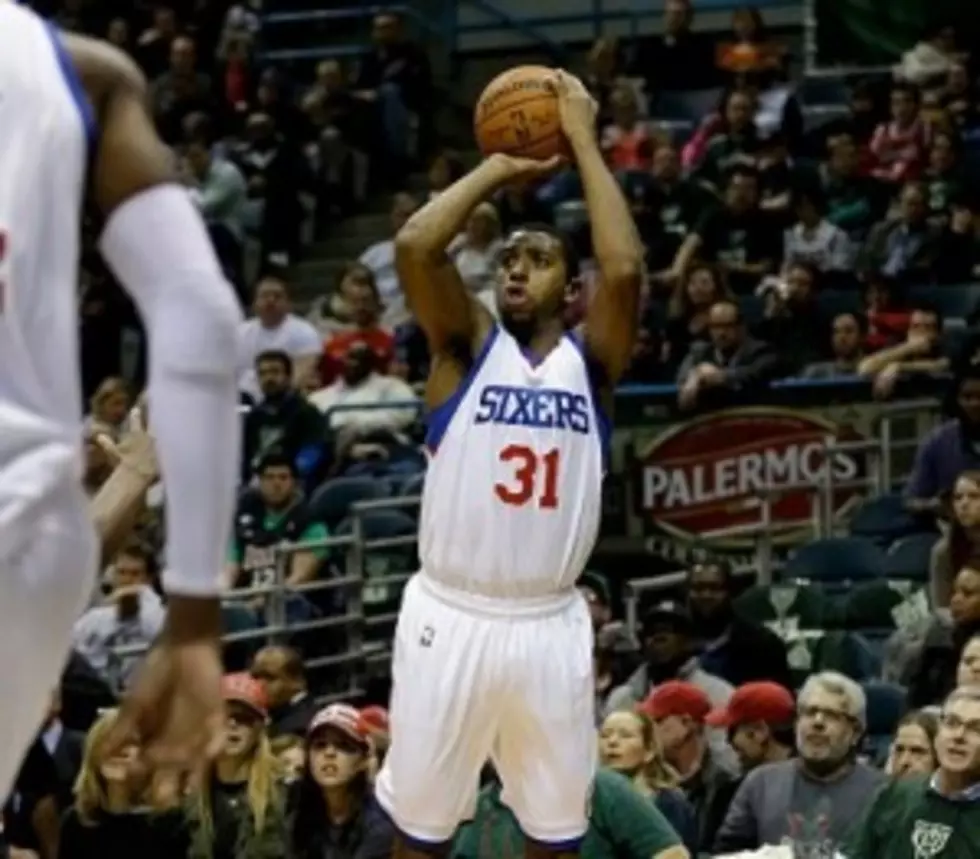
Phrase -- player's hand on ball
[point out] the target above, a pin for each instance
(523, 169)
(174, 711)
(576, 107)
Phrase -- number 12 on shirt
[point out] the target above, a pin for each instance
(534, 479)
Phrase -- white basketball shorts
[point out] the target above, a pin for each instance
(47, 573)
(514, 686)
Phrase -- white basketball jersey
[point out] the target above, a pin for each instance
(513, 491)
(45, 128)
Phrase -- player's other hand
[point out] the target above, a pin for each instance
(174, 709)
(576, 106)
(524, 169)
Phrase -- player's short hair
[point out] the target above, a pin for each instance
(278, 356)
(275, 459)
(571, 256)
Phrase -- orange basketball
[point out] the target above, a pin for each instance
(518, 114)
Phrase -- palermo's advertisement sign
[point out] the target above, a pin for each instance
(705, 478)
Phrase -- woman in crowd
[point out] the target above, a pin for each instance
(912, 752)
(968, 669)
(241, 811)
(107, 818)
(953, 550)
(687, 311)
(628, 745)
(110, 407)
(933, 670)
(335, 815)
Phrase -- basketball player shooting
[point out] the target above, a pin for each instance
(493, 651)
(73, 117)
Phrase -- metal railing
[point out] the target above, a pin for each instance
(880, 478)
(360, 637)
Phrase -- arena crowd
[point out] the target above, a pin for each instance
(783, 242)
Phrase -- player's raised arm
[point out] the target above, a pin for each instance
(434, 291)
(156, 244)
(158, 247)
(613, 313)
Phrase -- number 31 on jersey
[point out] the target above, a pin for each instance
(534, 480)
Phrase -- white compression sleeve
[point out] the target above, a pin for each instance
(157, 246)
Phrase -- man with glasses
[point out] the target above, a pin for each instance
(730, 367)
(811, 801)
(937, 816)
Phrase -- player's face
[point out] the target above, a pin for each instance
(532, 281)
(335, 758)
(130, 571)
(621, 745)
(243, 726)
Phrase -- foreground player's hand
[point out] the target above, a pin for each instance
(174, 708)
(576, 106)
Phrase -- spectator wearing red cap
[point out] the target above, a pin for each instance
(376, 720)
(678, 710)
(242, 809)
(335, 813)
(759, 720)
(731, 648)
(811, 801)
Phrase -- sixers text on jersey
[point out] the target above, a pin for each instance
(536, 408)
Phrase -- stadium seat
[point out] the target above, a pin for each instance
(836, 560)
(412, 485)
(689, 107)
(870, 606)
(908, 558)
(784, 607)
(752, 309)
(331, 503)
(834, 301)
(953, 300)
(383, 596)
(823, 91)
(884, 520)
(886, 704)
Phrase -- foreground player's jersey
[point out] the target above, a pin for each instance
(45, 128)
(513, 491)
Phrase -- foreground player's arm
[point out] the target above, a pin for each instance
(434, 291)
(613, 313)
(156, 244)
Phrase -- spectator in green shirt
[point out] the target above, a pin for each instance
(622, 825)
(931, 817)
(274, 513)
(628, 745)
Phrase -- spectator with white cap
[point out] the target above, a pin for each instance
(334, 811)
(759, 719)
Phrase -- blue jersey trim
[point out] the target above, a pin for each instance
(438, 419)
(74, 83)
(603, 421)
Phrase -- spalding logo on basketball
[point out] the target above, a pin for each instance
(706, 478)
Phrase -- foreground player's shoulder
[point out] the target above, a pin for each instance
(129, 156)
